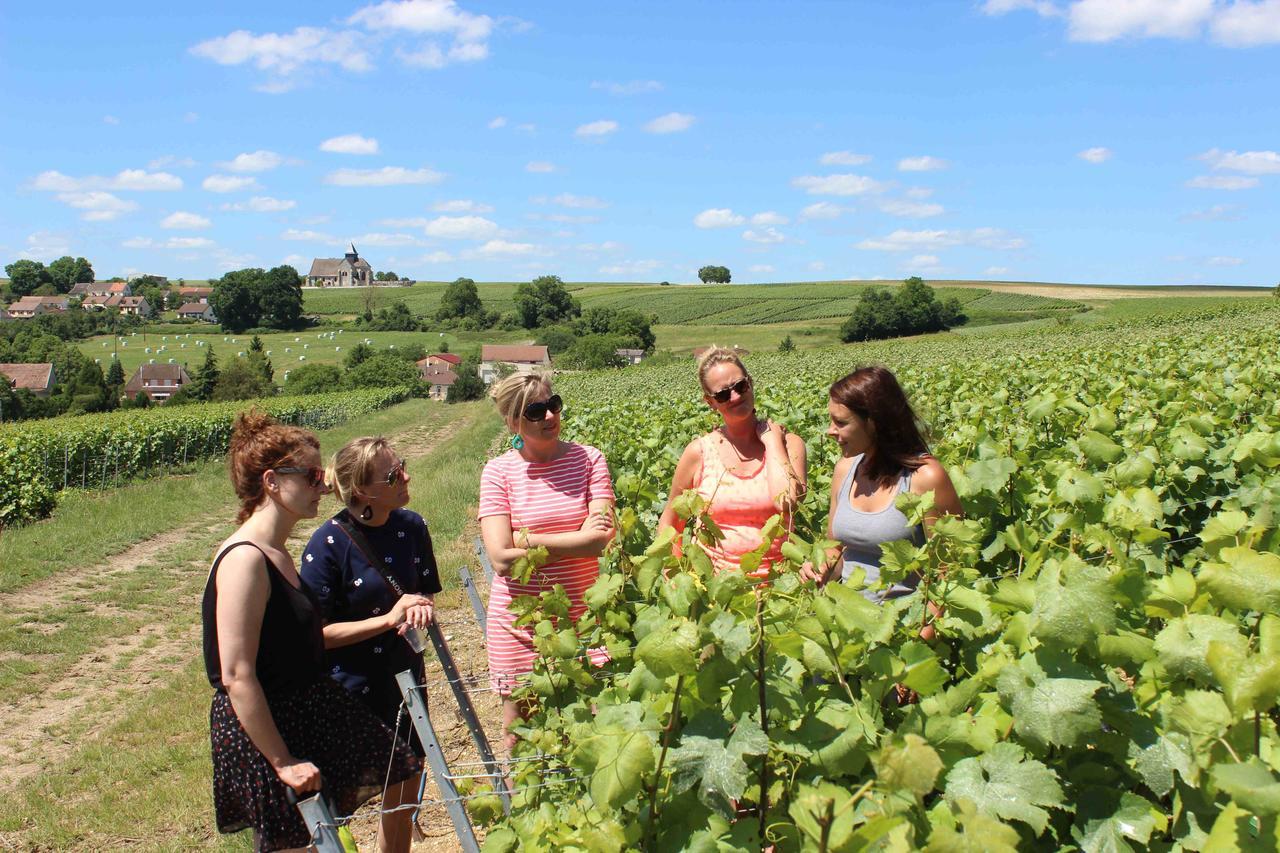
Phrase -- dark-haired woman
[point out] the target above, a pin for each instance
(882, 454)
(278, 721)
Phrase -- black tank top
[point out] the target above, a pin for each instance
(291, 642)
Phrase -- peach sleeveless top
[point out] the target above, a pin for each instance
(740, 505)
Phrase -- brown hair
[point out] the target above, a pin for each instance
(352, 465)
(512, 394)
(718, 355)
(259, 443)
(872, 392)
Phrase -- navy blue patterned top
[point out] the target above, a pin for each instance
(349, 589)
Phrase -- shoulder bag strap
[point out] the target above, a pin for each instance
(366, 547)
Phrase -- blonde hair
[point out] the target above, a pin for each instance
(512, 394)
(718, 355)
(352, 465)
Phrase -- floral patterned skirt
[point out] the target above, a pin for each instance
(320, 723)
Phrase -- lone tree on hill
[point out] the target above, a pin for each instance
(714, 275)
(912, 310)
(545, 301)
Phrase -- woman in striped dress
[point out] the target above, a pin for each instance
(544, 492)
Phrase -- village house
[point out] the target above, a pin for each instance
(521, 358)
(101, 288)
(438, 363)
(135, 305)
(197, 311)
(36, 378)
(633, 356)
(440, 381)
(190, 294)
(350, 270)
(157, 381)
(33, 306)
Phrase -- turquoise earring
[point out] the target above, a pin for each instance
(517, 441)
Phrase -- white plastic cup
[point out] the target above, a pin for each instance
(414, 637)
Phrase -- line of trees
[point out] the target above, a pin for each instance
(912, 309)
(32, 278)
(712, 274)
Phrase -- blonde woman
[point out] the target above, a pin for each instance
(747, 469)
(372, 570)
(543, 492)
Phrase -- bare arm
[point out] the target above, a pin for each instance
(687, 470)
(932, 477)
(589, 540)
(243, 588)
(499, 543)
(406, 609)
(832, 569)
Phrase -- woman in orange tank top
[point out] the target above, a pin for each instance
(747, 469)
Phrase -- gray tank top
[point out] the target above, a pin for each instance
(861, 534)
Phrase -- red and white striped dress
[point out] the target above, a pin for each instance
(545, 497)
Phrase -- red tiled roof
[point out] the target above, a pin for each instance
(447, 356)
(33, 377)
(519, 353)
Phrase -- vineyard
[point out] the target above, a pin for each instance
(1105, 672)
(39, 458)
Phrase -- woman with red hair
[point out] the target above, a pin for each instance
(278, 722)
(882, 454)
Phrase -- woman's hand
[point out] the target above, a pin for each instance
(418, 616)
(401, 609)
(302, 776)
(599, 524)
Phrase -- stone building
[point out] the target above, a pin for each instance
(348, 271)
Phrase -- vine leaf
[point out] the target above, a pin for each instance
(671, 649)
(1251, 785)
(1245, 580)
(1182, 647)
(970, 832)
(1050, 711)
(1107, 820)
(909, 763)
(1073, 602)
(618, 755)
(1006, 784)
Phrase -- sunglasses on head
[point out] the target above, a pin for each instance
(741, 386)
(315, 476)
(394, 474)
(538, 411)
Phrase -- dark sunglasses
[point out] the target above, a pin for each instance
(394, 474)
(538, 411)
(741, 386)
(315, 476)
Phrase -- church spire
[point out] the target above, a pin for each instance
(352, 255)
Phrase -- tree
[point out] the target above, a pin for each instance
(394, 318)
(461, 300)
(787, 345)
(257, 357)
(235, 302)
(242, 380)
(357, 354)
(66, 272)
(386, 276)
(314, 379)
(279, 292)
(714, 275)
(556, 339)
(205, 381)
(25, 276)
(593, 352)
(468, 385)
(914, 309)
(381, 370)
(544, 301)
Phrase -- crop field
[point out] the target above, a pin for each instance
(1105, 673)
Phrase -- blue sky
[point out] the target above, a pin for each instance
(1117, 141)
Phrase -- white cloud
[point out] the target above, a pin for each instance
(670, 123)
(461, 205)
(228, 184)
(180, 243)
(844, 158)
(136, 180)
(497, 122)
(255, 161)
(436, 17)
(431, 55)
(540, 167)
(139, 243)
(262, 204)
(387, 240)
(295, 261)
(631, 268)
(911, 209)
(562, 218)
(461, 228)
(170, 161)
(1248, 24)
(761, 269)
(921, 164)
(1216, 213)
(310, 236)
(765, 235)
(98, 206)
(821, 210)
(1095, 155)
(817, 266)
(769, 217)
(110, 120)
(837, 184)
(571, 200)
(350, 143)
(504, 248)
(439, 257)
(387, 176)
(527, 127)
(1249, 162)
(405, 222)
(1222, 182)
(1224, 261)
(922, 263)
(903, 240)
(46, 245)
(283, 54)
(718, 217)
(597, 248)
(996, 271)
(183, 221)
(633, 87)
(596, 129)
(1044, 8)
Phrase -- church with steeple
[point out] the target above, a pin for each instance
(350, 270)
